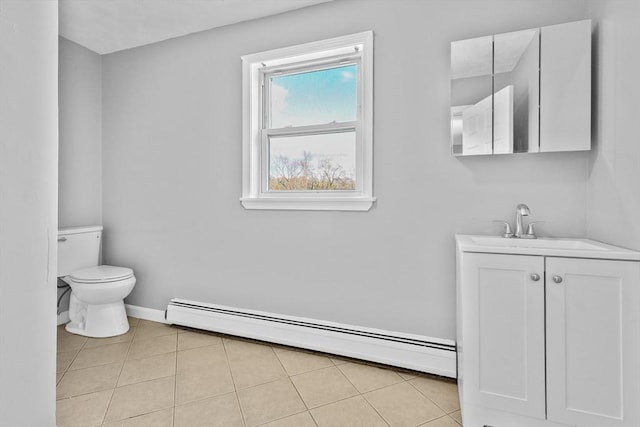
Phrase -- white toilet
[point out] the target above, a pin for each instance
(96, 306)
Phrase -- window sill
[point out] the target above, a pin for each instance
(309, 203)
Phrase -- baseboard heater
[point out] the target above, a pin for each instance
(420, 353)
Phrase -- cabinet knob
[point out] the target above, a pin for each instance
(535, 277)
(557, 279)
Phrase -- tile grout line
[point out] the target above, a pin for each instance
(291, 382)
(344, 398)
(233, 381)
(373, 389)
(70, 363)
(426, 424)
(113, 391)
(77, 353)
(362, 395)
(175, 382)
(297, 392)
(431, 400)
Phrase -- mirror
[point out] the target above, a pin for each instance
(522, 92)
(516, 92)
(495, 94)
(471, 100)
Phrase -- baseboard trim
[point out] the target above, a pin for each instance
(63, 318)
(145, 313)
(416, 352)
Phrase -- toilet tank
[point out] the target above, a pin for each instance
(78, 247)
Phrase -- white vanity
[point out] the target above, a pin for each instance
(548, 333)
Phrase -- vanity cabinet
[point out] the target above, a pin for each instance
(593, 342)
(503, 329)
(548, 341)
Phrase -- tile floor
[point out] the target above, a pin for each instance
(158, 375)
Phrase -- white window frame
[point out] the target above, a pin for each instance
(256, 68)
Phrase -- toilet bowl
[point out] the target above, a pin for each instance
(96, 306)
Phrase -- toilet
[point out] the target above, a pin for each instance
(96, 306)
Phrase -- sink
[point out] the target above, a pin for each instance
(575, 244)
(570, 247)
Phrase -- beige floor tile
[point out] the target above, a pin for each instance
(64, 359)
(457, 416)
(406, 376)
(149, 368)
(353, 412)
(367, 378)
(188, 340)
(445, 421)
(133, 321)
(192, 386)
(162, 418)
(88, 380)
(403, 405)
(339, 360)
(153, 346)
(298, 362)
(220, 411)
(68, 341)
(252, 364)
(269, 402)
(102, 355)
(201, 360)
(83, 411)
(147, 329)
(302, 419)
(141, 398)
(443, 392)
(59, 377)
(323, 386)
(97, 342)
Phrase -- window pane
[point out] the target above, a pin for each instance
(313, 162)
(314, 97)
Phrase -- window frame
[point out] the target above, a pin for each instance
(258, 68)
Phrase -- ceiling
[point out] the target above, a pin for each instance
(107, 26)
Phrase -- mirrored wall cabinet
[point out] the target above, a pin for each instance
(522, 92)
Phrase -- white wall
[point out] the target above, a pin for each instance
(28, 211)
(172, 172)
(614, 176)
(80, 103)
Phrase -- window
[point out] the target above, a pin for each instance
(307, 126)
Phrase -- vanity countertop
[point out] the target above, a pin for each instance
(557, 247)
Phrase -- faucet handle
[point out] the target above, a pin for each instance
(508, 232)
(531, 232)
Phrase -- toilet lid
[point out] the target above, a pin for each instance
(101, 273)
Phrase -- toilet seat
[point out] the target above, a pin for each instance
(101, 274)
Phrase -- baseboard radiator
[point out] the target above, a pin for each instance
(420, 353)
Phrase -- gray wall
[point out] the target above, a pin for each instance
(80, 175)
(613, 203)
(172, 172)
(28, 211)
(80, 145)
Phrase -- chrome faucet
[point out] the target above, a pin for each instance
(521, 210)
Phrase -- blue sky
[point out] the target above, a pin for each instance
(314, 97)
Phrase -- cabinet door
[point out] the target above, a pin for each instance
(593, 331)
(565, 87)
(503, 329)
